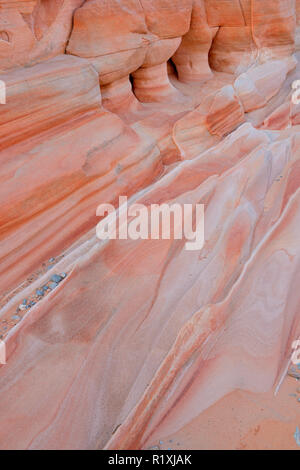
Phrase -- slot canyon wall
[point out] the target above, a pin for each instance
(158, 100)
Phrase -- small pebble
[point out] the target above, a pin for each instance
(51, 260)
(24, 302)
(53, 285)
(45, 288)
(22, 307)
(39, 292)
(63, 275)
(16, 317)
(56, 278)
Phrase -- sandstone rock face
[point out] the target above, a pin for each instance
(297, 35)
(256, 87)
(31, 38)
(162, 101)
(274, 27)
(191, 58)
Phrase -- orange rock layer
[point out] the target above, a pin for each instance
(187, 101)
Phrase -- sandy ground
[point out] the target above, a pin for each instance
(244, 421)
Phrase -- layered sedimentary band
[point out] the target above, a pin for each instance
(187, 101)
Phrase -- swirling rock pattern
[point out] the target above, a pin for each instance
(186, 101)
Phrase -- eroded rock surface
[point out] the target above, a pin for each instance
(188, 101)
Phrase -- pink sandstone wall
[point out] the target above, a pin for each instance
(185, 100)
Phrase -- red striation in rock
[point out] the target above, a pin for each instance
(186, 101)
(36, 37)
(273, 26)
